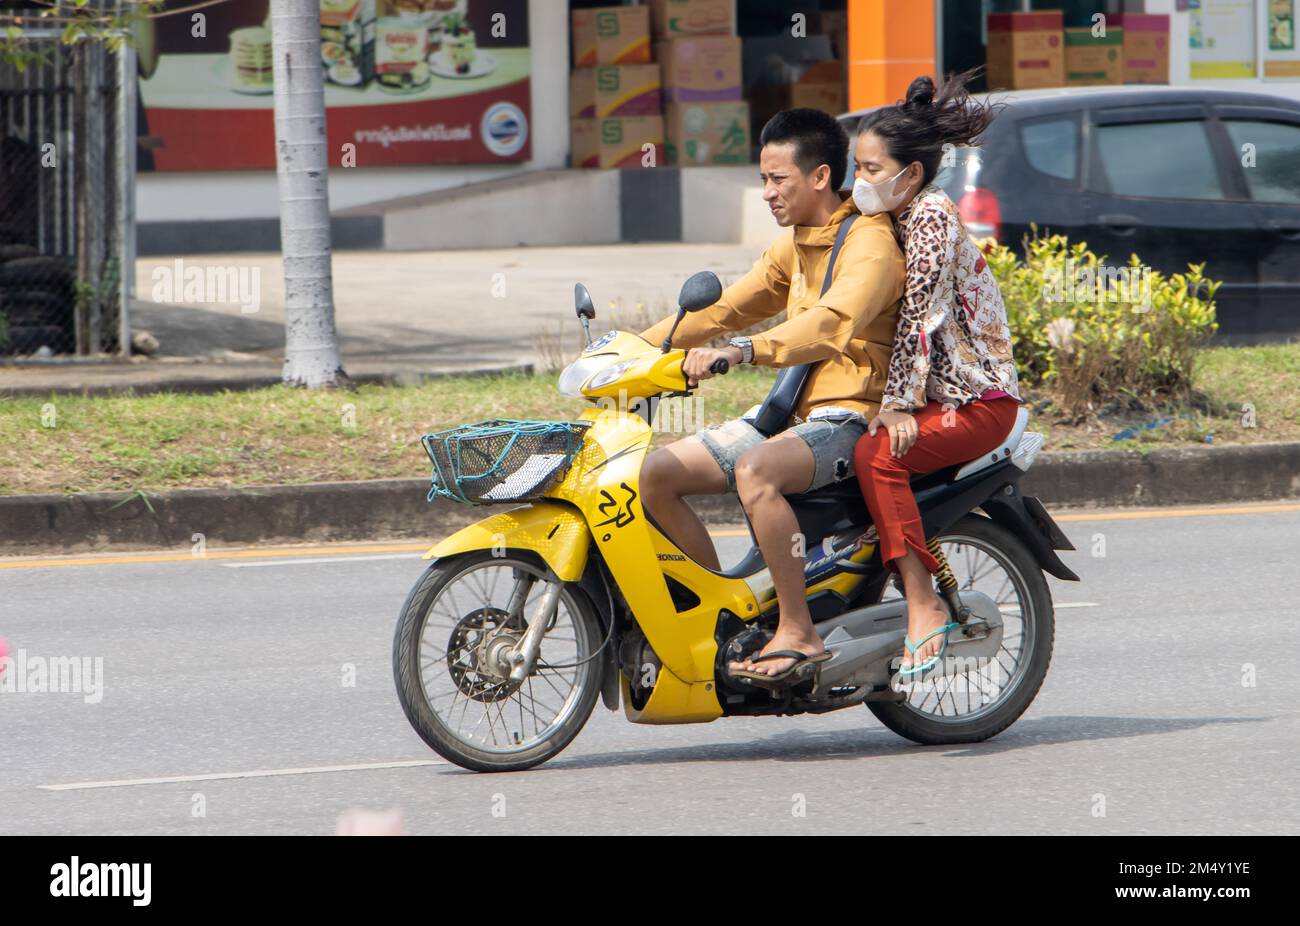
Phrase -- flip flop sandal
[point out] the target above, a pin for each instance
(803, 661)
(933, 660)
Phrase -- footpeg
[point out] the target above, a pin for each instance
(805, 674)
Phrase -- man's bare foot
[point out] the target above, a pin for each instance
(811, 645)
(922, 618)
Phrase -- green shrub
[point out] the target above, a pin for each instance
(1094, 333)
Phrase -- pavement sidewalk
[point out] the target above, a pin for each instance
(401, 316)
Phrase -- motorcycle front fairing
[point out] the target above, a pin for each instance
(598, 503)
(555, 527)
(609, 496)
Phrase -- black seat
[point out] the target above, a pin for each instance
(848, 489)
(830, 509)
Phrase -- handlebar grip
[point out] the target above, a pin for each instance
(721, 365)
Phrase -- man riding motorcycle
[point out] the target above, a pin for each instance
(839, 278)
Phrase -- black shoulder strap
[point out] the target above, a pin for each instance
(784, 395)
(835, 250)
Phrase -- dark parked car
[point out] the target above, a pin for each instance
(1173, 174)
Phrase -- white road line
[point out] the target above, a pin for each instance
(343, 558)
(222, 776)
(1008, 609)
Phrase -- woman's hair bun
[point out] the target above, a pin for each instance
(920, 93)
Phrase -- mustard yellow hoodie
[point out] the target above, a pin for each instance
(849, 331)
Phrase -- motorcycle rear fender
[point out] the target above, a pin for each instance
(1026, 517)
(556, 531)
(997, 491)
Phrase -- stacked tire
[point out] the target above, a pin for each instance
(37, 299)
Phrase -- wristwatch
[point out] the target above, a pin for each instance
(746, 347)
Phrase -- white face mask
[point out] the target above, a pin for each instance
(871, 198)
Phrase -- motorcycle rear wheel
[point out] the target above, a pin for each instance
(923, 717)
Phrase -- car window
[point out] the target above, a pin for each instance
(1162, 160)
(1272, 163)
(1051, 146)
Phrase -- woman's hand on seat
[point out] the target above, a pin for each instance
(901, 427)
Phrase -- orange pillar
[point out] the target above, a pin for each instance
(890, 43)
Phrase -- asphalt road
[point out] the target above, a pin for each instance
(215, 668)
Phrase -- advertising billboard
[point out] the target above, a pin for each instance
(406, 82)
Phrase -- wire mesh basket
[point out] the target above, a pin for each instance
(501, 460)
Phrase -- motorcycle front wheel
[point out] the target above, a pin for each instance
(975, 702)
(459, 622)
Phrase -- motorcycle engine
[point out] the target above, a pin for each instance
(739, 647)
(745, 644)
(640, 665)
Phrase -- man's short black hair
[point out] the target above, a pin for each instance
(818, 139)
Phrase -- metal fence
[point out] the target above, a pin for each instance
(65, 209)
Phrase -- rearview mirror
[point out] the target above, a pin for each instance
(700, 291)
(582, 302)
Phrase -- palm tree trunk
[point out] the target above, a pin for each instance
(311, 351)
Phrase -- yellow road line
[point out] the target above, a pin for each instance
(126, 559)
(268, 553)
(1146, 513)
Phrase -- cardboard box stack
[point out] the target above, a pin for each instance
(700, 68)
(610, 90)
(615, 102)
(706, 117)
(671, 18)
(1145, 46)
(1093, 59)
(820, 87)
(1026, 50)
(617, 92)
(611, 35)
(708, 133)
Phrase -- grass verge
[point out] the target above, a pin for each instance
(282, 436)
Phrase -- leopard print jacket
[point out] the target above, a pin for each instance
(953, 342)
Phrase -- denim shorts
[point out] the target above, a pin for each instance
(830, 440)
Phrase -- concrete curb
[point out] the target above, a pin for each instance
(186, 382)
(1175, 476)
(394, 508)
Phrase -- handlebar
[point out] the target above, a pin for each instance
(719, 367)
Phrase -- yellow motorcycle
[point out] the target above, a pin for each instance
(523, 619)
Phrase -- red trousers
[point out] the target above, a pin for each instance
(967, 432)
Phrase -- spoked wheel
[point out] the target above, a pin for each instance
(452, 660)
(979, 701)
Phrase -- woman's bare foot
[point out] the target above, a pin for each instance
(922, 618)
(811, 645)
